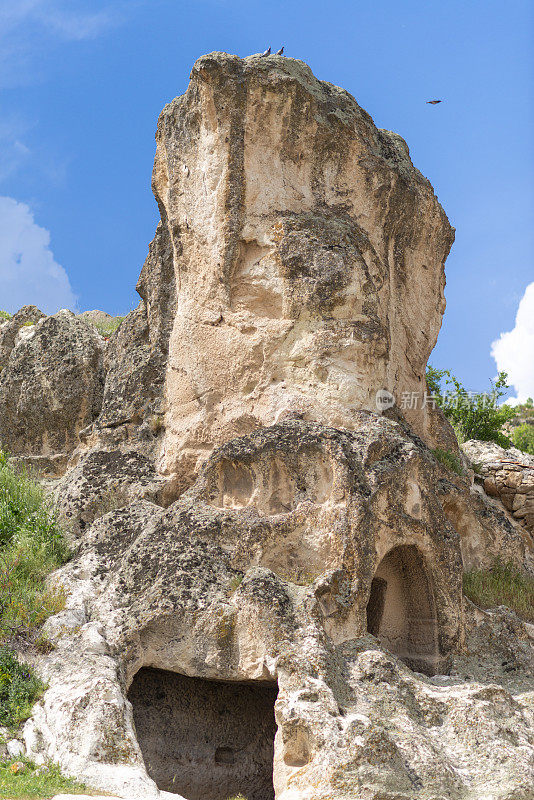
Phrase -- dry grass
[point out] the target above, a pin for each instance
(502, 585)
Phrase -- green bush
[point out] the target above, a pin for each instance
(474, 415)
(523, 438)
(4, 315)
(504, 585)
(19, 689)
(31, 546)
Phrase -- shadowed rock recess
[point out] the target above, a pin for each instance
(266, 592)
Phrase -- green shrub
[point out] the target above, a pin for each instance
(36, 782)
(4, 315)
(504, 585)
(449, 460)
(31, 546)
(474, 415)
(523, 438)
(19, 689)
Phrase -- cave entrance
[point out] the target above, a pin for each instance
(203, 739)
(401, 609)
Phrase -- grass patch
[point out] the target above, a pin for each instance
(449, 460)
(502, 585)
(19, 689)
(4, 315)
(106, 329)
(36, 782)
(31, 546)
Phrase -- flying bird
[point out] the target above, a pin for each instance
(267, 53)
(279, 52)
(433, 102)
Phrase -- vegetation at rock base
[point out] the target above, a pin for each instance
(502, 585)
(449, 460)
(4, 315)
(19, 689)
(523, 438)
(31, 546)
(35, 783)
(473, 415)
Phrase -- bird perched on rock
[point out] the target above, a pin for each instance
(433, 102)
(267, 53)
(279, 52)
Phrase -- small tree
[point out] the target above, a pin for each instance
(474, 415)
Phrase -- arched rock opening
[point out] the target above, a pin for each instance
(204, 739)
(401, 610)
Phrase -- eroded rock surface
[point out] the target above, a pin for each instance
(51, 385)
(308, 253)
(273, 549)
(314, 560)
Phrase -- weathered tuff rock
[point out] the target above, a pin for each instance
(308, 253)
(9, 329)
(301, 570)
(282, 582)
(51, 386)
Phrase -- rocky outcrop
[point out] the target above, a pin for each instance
(133, 404)
(308, 253)
(13, 327)
(507, 475)
(51, 386)
(266, 593)
(319, 566)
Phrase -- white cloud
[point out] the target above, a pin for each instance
(514, 350)
(29, 274)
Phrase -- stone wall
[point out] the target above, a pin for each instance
(507, 475)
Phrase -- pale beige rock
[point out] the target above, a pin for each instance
(51, 387)
(309, 561)
(308, 253)
(292, 624)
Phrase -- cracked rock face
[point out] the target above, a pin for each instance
(310, 576)
(51, 384)
(308, 253)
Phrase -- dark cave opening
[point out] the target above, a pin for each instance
(205, 739)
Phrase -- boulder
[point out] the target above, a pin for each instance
(507, 476)
(51, 386)
(26, 316)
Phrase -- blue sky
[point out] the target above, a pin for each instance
(82, 83)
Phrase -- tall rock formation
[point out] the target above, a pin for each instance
(266, 595)
(308, 254)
